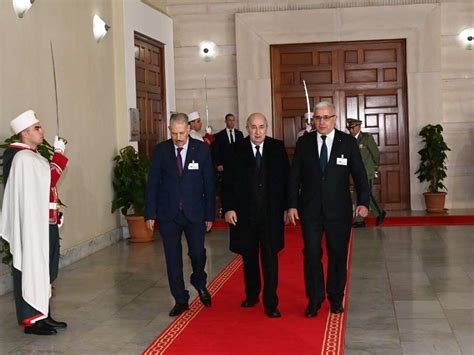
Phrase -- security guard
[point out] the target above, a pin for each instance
(371, 158)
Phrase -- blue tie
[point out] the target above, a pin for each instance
(323, 157)
(258, 157)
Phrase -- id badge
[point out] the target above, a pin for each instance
(193, 166)
(341, 160)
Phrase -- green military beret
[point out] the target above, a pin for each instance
(352, 122)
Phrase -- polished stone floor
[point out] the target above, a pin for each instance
(411, 292)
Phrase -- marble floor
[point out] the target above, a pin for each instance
(411, 292)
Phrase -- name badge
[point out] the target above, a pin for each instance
(193, 166)
(341, 160)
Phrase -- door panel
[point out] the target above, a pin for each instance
(365, 80)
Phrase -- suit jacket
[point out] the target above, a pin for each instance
(165, 187)
(315, 193)
(221, 147)
(238, 190)
(369, 152)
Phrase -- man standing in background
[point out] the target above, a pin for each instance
(371, 159)
(225, 139)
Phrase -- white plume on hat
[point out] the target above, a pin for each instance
(23, 121)
(306, 115)
(193, 116)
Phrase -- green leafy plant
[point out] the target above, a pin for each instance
(47, 151)
(130, 177)
(433, 158)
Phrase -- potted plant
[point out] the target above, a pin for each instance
(433, 166)
(129, 183)
(47, 151)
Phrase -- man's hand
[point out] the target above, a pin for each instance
(293, 215)
(362, 211)
(285, 217)
(150, 224)
(220, 168)
(208, 226)
(231, 217)
(59, 145)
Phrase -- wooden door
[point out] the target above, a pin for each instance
(151, 92)
(364, 80)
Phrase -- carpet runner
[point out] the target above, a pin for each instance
(226, 328)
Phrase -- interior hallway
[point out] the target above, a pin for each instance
(411, 292)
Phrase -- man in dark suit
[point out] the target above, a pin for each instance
(224, 140)
(180, 195)
(319, 194)
(254, 202)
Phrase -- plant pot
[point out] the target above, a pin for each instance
(139, 233)
(434, 201)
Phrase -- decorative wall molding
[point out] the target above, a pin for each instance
(332, 5)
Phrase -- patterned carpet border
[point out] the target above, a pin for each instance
(333, 335)
(166, 338)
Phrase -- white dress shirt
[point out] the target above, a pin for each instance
(255, 150)
(228, 134)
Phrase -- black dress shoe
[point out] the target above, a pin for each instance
(40, 328)
(272, 312)
(54, 323)
(360, 224)
(337, 309)
(204, 296)
(380, 218)
(178, 309)
(249, 302)
(312, 310)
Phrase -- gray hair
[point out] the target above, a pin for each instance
(325, 104)
(179, 117)
(252, 115)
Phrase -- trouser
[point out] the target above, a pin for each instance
(374, 206)
(171, 232)
(269, 260)
(337, 240)
(24, 311)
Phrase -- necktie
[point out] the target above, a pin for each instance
(323, 157)
(258, 157)
(231, 136)
(179, 161)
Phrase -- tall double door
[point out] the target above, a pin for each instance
(364, 80)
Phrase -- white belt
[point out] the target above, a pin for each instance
(53, 206)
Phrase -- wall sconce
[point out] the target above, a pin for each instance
(99, 27)
(207, 50)
(21, 7)
(467, 38)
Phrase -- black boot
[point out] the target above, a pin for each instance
(40, 328)
(54, 323)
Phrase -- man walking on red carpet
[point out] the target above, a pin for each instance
(319, 194)
(254, 203)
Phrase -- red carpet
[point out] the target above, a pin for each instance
(226, 328)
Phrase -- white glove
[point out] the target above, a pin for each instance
(59, 145)
(61, 220)
(209, 129)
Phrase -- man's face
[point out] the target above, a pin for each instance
(325, 120)
(33, 135)
(355, 130)
(179, 133)
(257, 129)
(230, 122)
(196, 125)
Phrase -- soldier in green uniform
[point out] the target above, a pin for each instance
(371, 158)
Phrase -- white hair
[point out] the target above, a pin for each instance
(325, 104)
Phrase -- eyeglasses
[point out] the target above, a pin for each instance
(325, 118)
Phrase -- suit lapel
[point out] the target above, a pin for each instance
(190, 155)
(336, 144)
